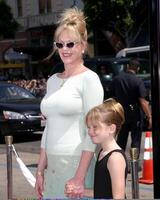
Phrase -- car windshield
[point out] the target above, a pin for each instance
(14, 92)
(144, 71)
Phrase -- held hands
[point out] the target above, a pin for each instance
(74, 188)
(39, 186)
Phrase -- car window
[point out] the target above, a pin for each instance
(105, 71)
(144, 67)
(119, 66)
(14, 92)
(144, 71)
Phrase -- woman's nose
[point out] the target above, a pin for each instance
(64, 47)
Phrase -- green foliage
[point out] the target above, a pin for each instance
(114, 15)
(126, 19)
(8, 25)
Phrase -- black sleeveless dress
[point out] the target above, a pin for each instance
(102, 179)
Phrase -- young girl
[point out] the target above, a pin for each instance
(104, 123)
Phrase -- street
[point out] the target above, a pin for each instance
(28, 147)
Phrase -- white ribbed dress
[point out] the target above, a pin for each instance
(65, 136)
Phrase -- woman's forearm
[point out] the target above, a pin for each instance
(42, 163)
(84, 163)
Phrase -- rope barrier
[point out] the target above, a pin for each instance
(25, 171)
(31, 179)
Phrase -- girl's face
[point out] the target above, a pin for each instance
(71, 49)
(98, 131)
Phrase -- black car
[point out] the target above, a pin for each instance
(19, 110)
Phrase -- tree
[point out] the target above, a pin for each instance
(119, 20)
(8, 25)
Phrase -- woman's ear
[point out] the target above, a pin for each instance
(84, 48)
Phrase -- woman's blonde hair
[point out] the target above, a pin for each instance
(72, 19)
(110, 112)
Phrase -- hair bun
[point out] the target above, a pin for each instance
(72, 16)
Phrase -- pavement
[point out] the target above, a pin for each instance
(22, 190)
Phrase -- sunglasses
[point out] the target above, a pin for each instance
(60, 45)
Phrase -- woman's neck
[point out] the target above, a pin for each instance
(71, 70)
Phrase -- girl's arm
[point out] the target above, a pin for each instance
(116, 166)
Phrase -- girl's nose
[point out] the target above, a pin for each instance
(90, 131)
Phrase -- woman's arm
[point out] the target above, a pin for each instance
(92, 95)
(75, 186)
(42, 164)
(39, 187)
(86, 158)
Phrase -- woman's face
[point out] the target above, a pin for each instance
(71, 48)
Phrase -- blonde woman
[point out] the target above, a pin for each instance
(66, 149)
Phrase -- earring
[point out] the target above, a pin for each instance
(82, 51)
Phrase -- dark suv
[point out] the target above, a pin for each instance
(107, 68)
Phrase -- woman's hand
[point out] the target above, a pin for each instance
(74, 188)
(42, 163)
(39, 186)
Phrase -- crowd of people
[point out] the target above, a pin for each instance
(36, 86)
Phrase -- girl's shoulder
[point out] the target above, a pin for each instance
(117, 156)
(117, 152)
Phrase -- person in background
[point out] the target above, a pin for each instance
(66, 157)
(130, 91)
(32, 86)
(104, 123)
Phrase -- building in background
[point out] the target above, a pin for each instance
(34, 40)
